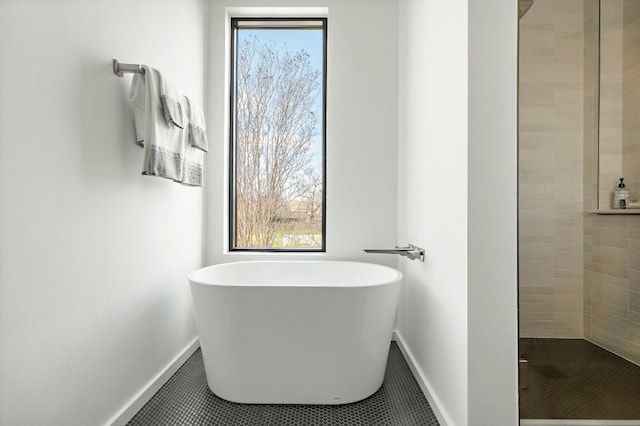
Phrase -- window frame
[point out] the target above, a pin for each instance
(231, 187)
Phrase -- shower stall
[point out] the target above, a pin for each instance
(579, 259)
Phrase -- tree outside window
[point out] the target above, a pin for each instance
(278, 135)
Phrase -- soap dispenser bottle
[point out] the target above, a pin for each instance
(621, 196)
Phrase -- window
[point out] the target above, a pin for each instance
(277, 155)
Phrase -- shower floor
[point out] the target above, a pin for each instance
(186, 400)
(575, 379)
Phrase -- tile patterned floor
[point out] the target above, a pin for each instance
(575, 379)
(186, 400)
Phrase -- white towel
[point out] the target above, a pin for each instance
(171, 103)
(197, 137)
(138, 99)
(197, 128)
(167, 152)
(193, 167)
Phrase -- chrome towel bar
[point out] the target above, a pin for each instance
(119, 69)
(411, 251)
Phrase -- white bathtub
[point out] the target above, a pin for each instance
(299, 332)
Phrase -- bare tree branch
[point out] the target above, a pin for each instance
(276, 98)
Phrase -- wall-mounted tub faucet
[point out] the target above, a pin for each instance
(411, 251)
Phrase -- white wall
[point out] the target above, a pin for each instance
(457, 199)
(492, 209)
(432, 192)
(361, 129)
(94, 299)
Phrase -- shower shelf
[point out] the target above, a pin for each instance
(615, 211)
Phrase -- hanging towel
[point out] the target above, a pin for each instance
(197, 130)
(167, 152)
(138, 99)
(193, 166)
(171, 103)
(197, 137)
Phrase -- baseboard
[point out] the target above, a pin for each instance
(134, 405)
(424, 384)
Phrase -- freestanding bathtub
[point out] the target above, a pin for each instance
(295, 332)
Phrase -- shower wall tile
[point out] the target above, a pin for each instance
(631, 98)
(567, 330)
(569, 317)
(634, 301)
(614, 291)
(537, 291)
(551, 240)
(634, 342)
(610, 327)
(634, 279)
(579, 273)
(533, 332)
(611, 77)
(534, 315)
(590, 151)
(537, 307)
(608, 340)
(607, 241)
(634, 352)
(607, 313)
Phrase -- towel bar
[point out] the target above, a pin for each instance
(119, 69)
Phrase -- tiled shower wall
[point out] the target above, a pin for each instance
(612, 243)
(619, 150)
(631, 97)
(610, 140)
(612, 301)
(590, 147)
(551, 169)
(579, 272)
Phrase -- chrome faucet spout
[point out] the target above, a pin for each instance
(411, 251)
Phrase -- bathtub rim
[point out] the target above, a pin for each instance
(397, 278)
